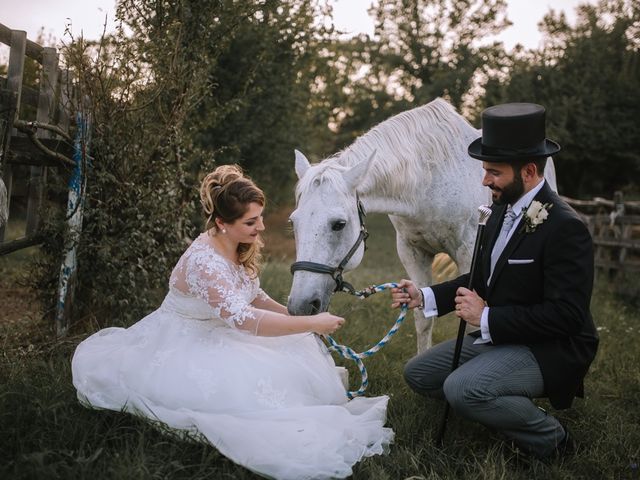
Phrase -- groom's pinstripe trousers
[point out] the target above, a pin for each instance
(493, 385)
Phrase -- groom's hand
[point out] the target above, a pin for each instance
(469, 306)
(406, 292)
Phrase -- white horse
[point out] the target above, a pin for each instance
(413, 167)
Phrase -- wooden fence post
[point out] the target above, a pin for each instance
(66, 80)
(625, 227)
(38, 174)
(77, 192)
(7, 114)
(14, 84)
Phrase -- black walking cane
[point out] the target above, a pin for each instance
(485, 212)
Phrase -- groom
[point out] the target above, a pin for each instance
(530, 296)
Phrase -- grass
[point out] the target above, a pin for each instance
(46, 434)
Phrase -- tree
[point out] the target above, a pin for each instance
(259, 107)
(588, 78)
(422, 49)
(433, 44)
(143, 84)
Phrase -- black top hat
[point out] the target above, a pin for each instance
(513, 131)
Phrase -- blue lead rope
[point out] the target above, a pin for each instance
(347, 352)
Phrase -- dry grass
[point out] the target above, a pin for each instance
(47, 434)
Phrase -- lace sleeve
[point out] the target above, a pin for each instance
(228, 293)
(262, 295)
(265, 302)
(233, 295)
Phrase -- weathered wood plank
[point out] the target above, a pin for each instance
(38, 174)
(66, 81)
(15, 71)
(624, 248)
(605, 220)
(7, 114)
(29, 94)
(592, 206)
(24, 152)
(628, 266)
(4, 211)
(617, 242)
(48, 84)
(32, 49)
(19, 244)
(75, 205)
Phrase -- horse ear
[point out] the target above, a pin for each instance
(355, 174)
(302, 164)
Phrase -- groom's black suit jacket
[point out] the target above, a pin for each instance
(543, 300)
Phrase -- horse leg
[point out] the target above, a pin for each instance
(417, 263)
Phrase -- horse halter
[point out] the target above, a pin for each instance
(336, 272)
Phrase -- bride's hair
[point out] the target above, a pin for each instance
(226, 194)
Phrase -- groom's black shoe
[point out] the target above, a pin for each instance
(566, 447)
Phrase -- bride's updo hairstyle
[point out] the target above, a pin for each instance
(226, 194)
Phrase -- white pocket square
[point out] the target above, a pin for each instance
(520, 261)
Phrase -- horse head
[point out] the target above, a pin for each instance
(328, 225)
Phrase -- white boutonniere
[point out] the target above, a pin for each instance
(535, 214)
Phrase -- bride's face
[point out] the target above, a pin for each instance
(247, 228)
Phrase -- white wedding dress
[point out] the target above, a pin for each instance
(275, 405)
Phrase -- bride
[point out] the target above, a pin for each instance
(222, 360)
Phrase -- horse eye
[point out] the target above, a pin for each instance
(339, 225)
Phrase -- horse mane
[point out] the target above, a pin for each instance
(408, 147)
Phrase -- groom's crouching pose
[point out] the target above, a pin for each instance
(530, 296)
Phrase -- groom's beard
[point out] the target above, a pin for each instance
(510, 193)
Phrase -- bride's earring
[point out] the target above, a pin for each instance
(224, 230)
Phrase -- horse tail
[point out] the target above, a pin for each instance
(550, 174)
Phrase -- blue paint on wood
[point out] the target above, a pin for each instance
(75, 203)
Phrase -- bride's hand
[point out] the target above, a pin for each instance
(325, 323)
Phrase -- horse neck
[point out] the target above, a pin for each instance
(416, 200)
(371, 193)
(383, 192)
(377, 203)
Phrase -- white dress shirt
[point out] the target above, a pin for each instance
(431, 309)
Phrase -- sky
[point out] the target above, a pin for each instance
(88, 17)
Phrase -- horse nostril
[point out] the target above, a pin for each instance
(315, 306)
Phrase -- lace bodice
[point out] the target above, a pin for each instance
(227, 288)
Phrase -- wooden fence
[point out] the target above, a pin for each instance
(615, 227)
(38, 143)
(56, 137)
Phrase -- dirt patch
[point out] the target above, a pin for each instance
(23, 326)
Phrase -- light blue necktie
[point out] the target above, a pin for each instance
(509, 217)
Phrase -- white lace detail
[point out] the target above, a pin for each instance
(228, 289)
(204, 378)
(268, 396)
